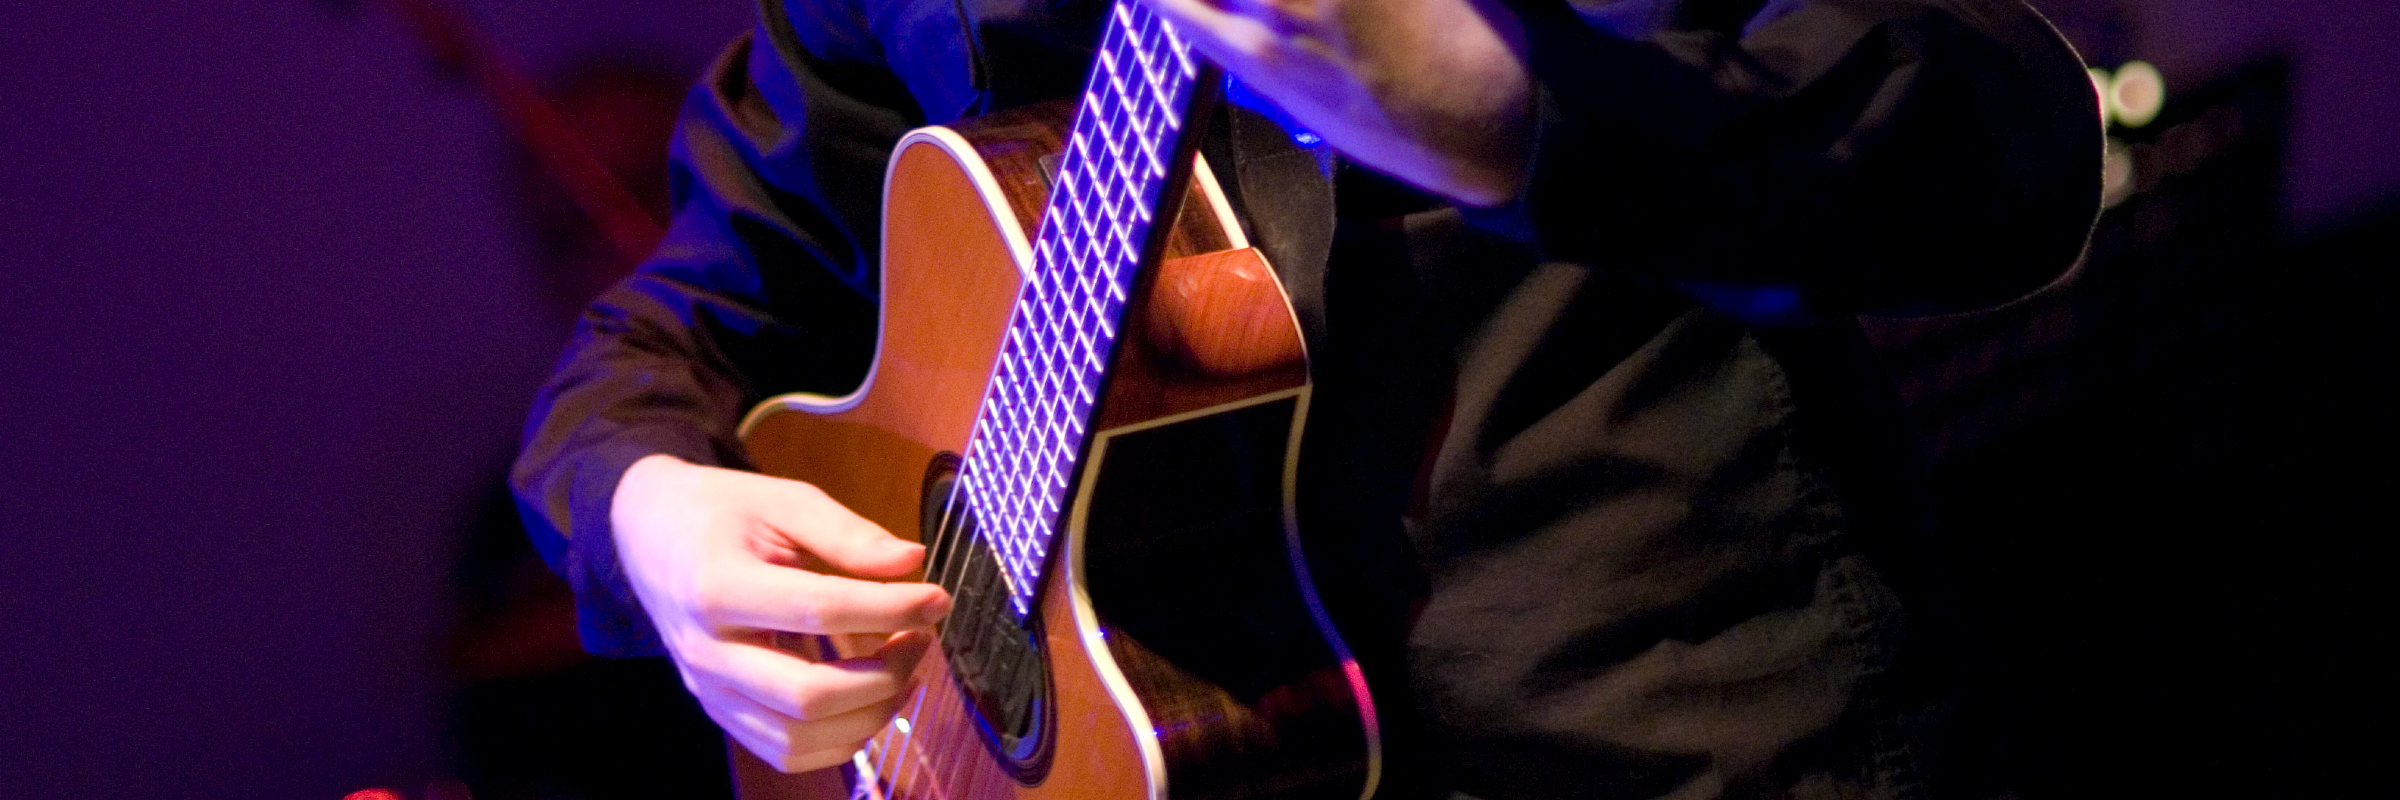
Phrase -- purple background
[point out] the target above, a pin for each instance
(270, 331)
(270, 328)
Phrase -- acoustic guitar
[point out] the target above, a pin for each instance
(1093, 429)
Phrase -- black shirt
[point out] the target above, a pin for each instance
(1668, 542)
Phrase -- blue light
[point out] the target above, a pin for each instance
(1241, 94)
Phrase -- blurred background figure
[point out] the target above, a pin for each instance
(622, 106)
(281, 277)
(534, 716)
(2156, 476)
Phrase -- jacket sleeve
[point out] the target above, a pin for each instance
(1905, 156)
(765, 284)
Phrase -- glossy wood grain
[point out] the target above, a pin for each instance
(1221, 315)
(949, 284)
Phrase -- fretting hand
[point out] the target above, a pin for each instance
(722, 560)
(1428, 91)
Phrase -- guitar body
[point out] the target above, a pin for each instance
(1186, 656)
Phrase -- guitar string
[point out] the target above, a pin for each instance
(883, 759)
(945, 694)
(888, 763)
(900, 761)
(881, 748)
(908, 738)
(946, 783)
(939, 549)
(948, 752)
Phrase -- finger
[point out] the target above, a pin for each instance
(847, 731)
(1223, 35)
(772, 746)
(805, 690)
(818, 760)
(809, 520)
(782, 740)
(753, 594)
(747, 722)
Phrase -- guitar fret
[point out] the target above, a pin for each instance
(1047, 377)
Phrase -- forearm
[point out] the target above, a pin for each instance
(762, 286)
(1829, 156)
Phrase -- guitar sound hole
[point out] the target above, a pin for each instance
(996, 658)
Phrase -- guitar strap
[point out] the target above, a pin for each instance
(1284, 197)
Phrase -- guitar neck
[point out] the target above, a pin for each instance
(1127, 152)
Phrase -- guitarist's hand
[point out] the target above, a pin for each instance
(1426, 90)
(722, 560)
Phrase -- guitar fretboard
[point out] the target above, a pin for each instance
(1111, 177)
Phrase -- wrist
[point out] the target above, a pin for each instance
(641, 479)
(648, 467)
(1464, 97)
(611, 617)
